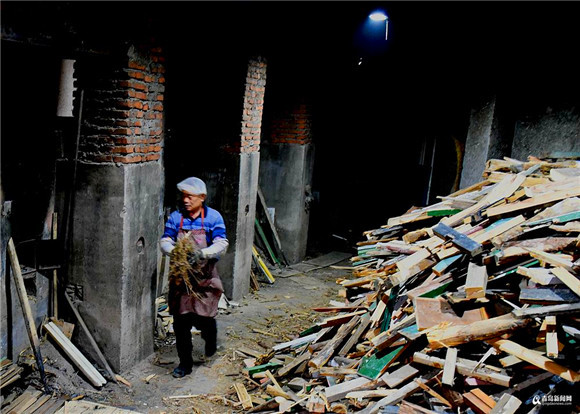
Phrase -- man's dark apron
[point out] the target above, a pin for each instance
(178, 299)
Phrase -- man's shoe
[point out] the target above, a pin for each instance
(180, 372)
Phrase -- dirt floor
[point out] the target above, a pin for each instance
(274, 314)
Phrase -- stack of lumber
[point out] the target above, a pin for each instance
(467, 305)
(9, 372)
(33, 401)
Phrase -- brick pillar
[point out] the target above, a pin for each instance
(286, 166)
(117, 206)
(244, 157)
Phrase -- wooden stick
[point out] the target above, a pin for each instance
(54, 272)
(91, 339)
(568, 279)
(28, 319)
(536, 359)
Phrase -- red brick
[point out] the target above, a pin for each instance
(158, 107)
(137, 123)
(128, 159)
(161, 80)
(136, 75)
(123, 150)
(139, 114)
(153, 157)
(149, 115)
(122, 131)
(158, 116)
(122, 123)
(160, 97)
(149, 79)
(135, 65)
(141, 95)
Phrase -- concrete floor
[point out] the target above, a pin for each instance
(279, 311)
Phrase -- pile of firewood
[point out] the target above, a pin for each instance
(467, 305)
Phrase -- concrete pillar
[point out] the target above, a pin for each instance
(117, 205)
(286, 167)
(240, 185)
(487, 138)
(552, 131)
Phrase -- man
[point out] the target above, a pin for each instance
(194, 302)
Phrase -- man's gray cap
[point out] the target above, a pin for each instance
(192, 185)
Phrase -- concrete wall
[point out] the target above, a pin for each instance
(285, 176)
(483, 142)
(551, 131)
(116, 217)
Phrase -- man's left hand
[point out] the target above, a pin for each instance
(194, 257)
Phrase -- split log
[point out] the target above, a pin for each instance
(477, 331)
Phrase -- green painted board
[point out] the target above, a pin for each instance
(311, 330)
(445, 263)
(564, 218)
(435, 292)
(447, 212)
(371, 367)
(261, 368)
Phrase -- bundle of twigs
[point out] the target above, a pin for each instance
(181, 271)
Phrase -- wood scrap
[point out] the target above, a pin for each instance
(440, 287)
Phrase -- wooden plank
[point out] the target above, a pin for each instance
(243, 395)
(536, 359)
(532, 202)
(396, 397)
(353, 340)
(340, 319)
(507, 404)
(378, 313)
(295, 343)
(329, 349)
(479, 406)
(551, 337)
(373, 366)
(262, 200)
(566, 309)
(449, 367)
(379, 392)
(547, 296)
(539, 275)
(563, 207)
(461, 241)
(91, 338)
(28, 318)
(41, 401)
(76, 356)
(568, 279)
(554, 259)
(399, 376)
(476, 281)
(339, 391)
(294, 364)
(465, 367)
(433, 393)
(26, 399)
(444, 264)
(431, 312)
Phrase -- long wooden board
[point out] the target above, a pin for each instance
(76, 356)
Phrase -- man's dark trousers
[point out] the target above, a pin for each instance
(182, 325)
